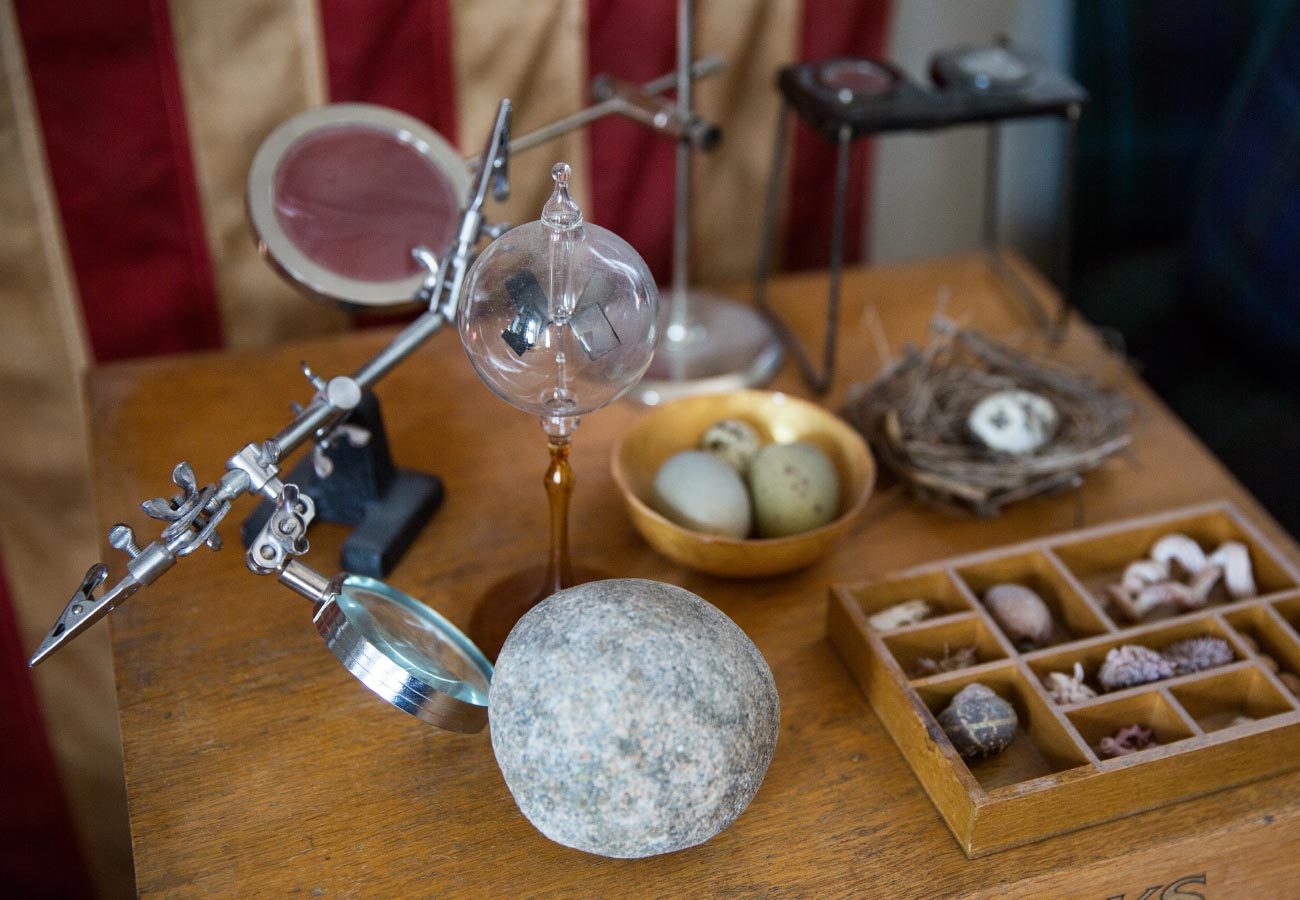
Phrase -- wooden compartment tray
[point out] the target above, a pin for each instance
(1215, 728)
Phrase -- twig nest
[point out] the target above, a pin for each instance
(1132, 664)
(699, 491)
(1198, 654)
(979, 722)
(631, 718)
(1021, 614)
(972, 423)
(734, 441)
(795, 489)
(1013, 422)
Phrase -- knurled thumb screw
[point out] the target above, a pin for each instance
(121, 537)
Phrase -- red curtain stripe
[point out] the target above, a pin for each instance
(109, 101)
(632, 169)
(39, 855)
(396, 53)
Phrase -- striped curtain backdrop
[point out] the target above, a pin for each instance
(127, 129)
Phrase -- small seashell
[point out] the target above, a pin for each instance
(1166, 594)
(1241, 720)
(1238, 573)
(1132, 664)
(1144, 572)
(1021, 614)
(1249, 642)
(1181, 549)
(1203, 583)
(1198, 654)
(907, 613)
(979, 722)
(1063, 688)
(1129, 739)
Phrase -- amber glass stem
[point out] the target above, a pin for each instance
(559, 487)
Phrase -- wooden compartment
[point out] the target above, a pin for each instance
(1097, 558)
(1149, 708)
(1051, 779)
(933, 641)
(938, 588)
(1092, 653)
(1042, 745)
(1073, 614)
(1225, 700)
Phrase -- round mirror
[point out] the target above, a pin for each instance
(340, 195)
(407, 654)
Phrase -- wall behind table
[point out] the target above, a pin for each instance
(126, 132)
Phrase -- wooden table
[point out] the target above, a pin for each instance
(257, 767)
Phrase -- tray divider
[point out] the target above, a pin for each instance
(1077, 586)
(1027, 674)
(982, 611)
(1284, 627)
(1183, 714)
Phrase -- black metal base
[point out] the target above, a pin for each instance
(388, 506)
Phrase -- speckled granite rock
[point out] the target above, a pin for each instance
(631, 718)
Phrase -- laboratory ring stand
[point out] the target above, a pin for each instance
(709, 343)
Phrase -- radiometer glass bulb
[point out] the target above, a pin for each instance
(559, 314)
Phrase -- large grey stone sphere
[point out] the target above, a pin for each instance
(631, 718)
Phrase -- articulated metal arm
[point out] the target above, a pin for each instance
(193, 513)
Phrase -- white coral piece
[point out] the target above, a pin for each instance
(900, 614)
(1068, 688)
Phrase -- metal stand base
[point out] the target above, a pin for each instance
(725, 346)
(388, 506)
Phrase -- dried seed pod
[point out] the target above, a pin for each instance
(1129, 739)
(951, 661)
(1132, 664)
(978, 722)
(908, 612)
(1181, 549)
(1063, 688)
(1021, 614)
(1238, 573)
(1198, 654)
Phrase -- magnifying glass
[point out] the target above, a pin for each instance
(405, 652)
(339, 197)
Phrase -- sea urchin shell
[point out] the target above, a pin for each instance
(1197, 654)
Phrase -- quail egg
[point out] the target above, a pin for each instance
(734, 441)
(1015, 422)
(795, 489)
(699, 491)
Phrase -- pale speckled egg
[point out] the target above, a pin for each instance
(1015, 422)
(699, 491)
(734, 441)
(795, 488)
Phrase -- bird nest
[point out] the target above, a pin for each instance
(915, 416)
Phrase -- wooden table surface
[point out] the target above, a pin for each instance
(258, 767)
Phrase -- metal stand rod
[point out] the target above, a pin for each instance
(679, 314)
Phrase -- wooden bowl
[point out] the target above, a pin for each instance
(779, 418)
